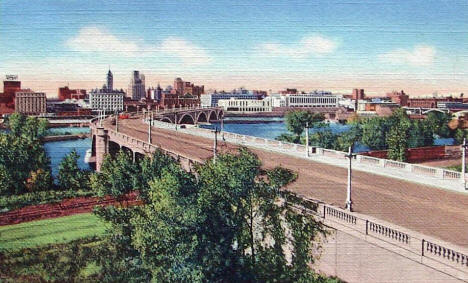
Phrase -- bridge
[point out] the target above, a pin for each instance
(189, 115)
(409, 223)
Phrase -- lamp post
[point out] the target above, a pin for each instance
(307, 138)
(215, 144)
(116, 120)
(349, 202)
(150, 122)
(462, 176)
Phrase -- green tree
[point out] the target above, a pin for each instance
(374, 132)
(227, 223)
(460, 134)
(438, 122)
(118, 176)
(70, 176)
(397, 140)
(296, 121)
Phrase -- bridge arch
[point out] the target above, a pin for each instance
(460, 113)
(202, 117)
(167, 119)
(220, 114)
(114, 148)
(213, 116)
(186, 119)
(434, 110)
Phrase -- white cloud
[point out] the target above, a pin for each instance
(310, 45)
(96, 40)
(420, 55)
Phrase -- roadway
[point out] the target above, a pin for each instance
(435, 212)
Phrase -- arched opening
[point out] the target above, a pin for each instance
(139, 156)
(127, 150)
(202, 118)
(213, 116)
(167, 120)
(220, 114)
(186, 119)
(113, 148)
(93, 146)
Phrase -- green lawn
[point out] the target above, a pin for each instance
(50, 231)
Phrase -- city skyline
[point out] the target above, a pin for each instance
(418, 46)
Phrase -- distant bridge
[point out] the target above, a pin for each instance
(190, 115)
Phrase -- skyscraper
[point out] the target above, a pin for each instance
(136, 88)
(110, 80)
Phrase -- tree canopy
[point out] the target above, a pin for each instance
(225, 222)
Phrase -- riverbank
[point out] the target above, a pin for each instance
(65, 137)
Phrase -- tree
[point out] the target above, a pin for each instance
(117, 177)
(460, 134)
(438, 122)
(397, 140)
(226, 224)
(296, 121)
(70, 176)
(374, 133)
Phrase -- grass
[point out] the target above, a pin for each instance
(50, 231)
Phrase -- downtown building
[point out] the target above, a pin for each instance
(136, 88)
(28, 102)
(107, 98)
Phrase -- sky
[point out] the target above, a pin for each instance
(417, 46)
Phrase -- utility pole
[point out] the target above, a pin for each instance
(215, 144)
(464, 145)
(307, 138)
(150, 122)
(100, 118)
(116, 120)
(349, 202)
(222, 127)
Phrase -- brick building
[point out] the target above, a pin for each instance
(30, 103)
(65, 93)
(182, 88)
(7, 99)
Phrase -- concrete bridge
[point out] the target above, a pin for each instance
(399, 231)
(190, 115)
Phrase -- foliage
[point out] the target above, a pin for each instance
(224, 224)
(296, 121)
(59, 262)
(459, 135)
(70, 176)
(117, 177)
(23, 160)
(438, 122)
(374, 132)
(397, 139)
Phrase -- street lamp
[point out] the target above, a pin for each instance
(215, 144)
(150, 122)
(464, 146)
(307, 138)
(349, 202)
(116, 120)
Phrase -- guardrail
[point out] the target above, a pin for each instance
(419, 245)
(439, 173)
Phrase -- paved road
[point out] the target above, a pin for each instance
(428, 210)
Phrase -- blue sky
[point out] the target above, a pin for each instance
(419, 46)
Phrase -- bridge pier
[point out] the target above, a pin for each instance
(101, 147)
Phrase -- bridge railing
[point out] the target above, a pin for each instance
(430, 251)
(282, 146)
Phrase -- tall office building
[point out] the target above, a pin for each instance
(110, 80)
(136, 88)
